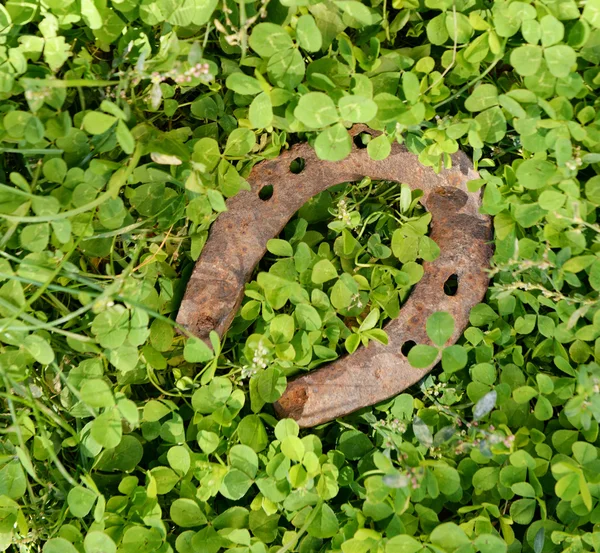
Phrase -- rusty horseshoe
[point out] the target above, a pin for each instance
(238, 240)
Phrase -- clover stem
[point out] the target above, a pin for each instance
(291, 544)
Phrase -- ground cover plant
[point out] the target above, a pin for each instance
(343, 271)
(124, 127)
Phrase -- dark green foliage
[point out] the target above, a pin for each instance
(125, 126)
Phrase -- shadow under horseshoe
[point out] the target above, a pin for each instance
(238, 241)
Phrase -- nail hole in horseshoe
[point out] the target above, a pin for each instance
(451, 285)
(266, 192)
(362, 139)
(407, 346)
(297, 165)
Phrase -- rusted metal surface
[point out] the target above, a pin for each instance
(238, 241)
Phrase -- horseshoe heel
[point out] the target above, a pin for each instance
(238, 240)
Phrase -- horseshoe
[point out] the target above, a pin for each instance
(238, 240)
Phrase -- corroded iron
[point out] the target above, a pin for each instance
(238, 240)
